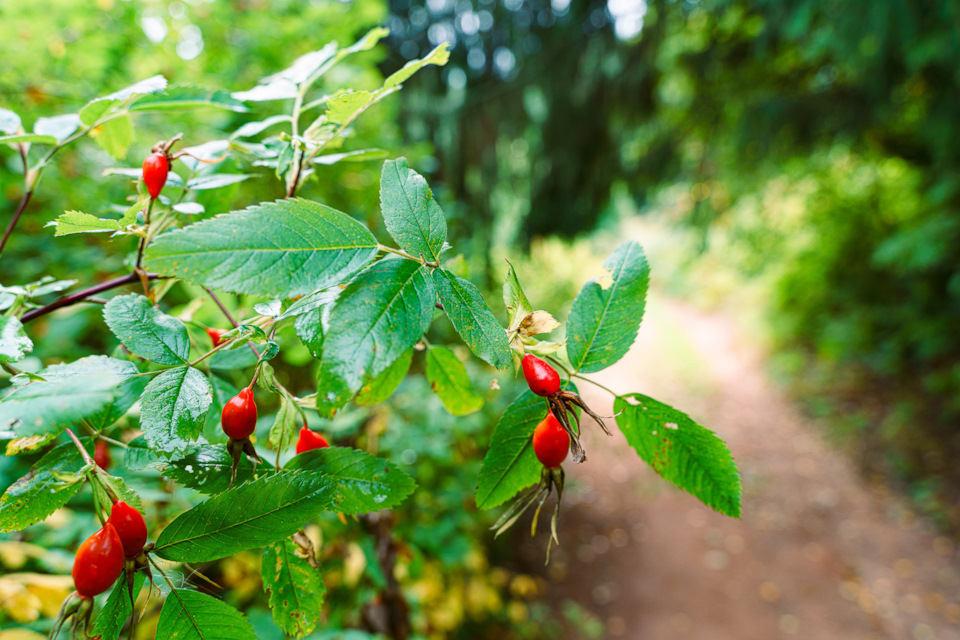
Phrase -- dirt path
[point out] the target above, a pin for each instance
(819, 554)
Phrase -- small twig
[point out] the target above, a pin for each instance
(138, 269)
(596, 384)
(83, 452)
(408, 256)
(16, 217)
(86, 293)
(230, 318)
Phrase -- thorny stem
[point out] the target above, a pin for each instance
(404, 254)
(86, 293)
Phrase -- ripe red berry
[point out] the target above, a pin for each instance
(216, 336)
(239, 416)
(130, 527)
(101, 455)
(155, 170)
(310, 440)
(542, 378)
(550, 442)
(98, 563)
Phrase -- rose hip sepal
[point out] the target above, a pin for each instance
(130, 527)
(99, 562)
(309, 440)
(156, 166)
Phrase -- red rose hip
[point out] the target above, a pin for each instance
(550, 442)
(98, 563)
(130, 527)
(155, 170)
(310, 440)
(101, 455)
(239, 416)
(542, 378)
(216, 336)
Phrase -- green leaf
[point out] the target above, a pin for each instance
(9, 121)
(153, 84)
(222, 392)
(342, 108)
(39, 408)
(603, 322)
(38, 494)
(183, 97)
(128, 391)
(190, 615)
(411, 213)
(349, 156)
(690, 456)
(115, 136)
(216, 181)
(146, 331)
(382, 387)
(364, 482)
(117, 609)
(281, 249)
(510, 465)
(514, 299)
(70, 222)
(253, 128)
(448, 379)
(174, 407)
(60, 127)
(284, 429)
(120, 488)
(246, 517)
(472, 318)
(439, 56)
(28, 137)
(14, 343)
(294, 587)
(309, 328)
(206, 468)
(310, 302)
(384, 312)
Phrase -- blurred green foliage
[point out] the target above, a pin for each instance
(810, 146)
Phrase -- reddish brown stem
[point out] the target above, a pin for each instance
(16, 217)
(86, 293)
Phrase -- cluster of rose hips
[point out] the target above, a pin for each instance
(239, 420)
(553, 437)
(116, 549)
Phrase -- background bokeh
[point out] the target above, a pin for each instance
(791, 166)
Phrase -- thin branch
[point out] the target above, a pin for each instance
(230, 318)
(83, 452)
(596, 384)
(16, 217)
(80, 296)
(408, 256)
